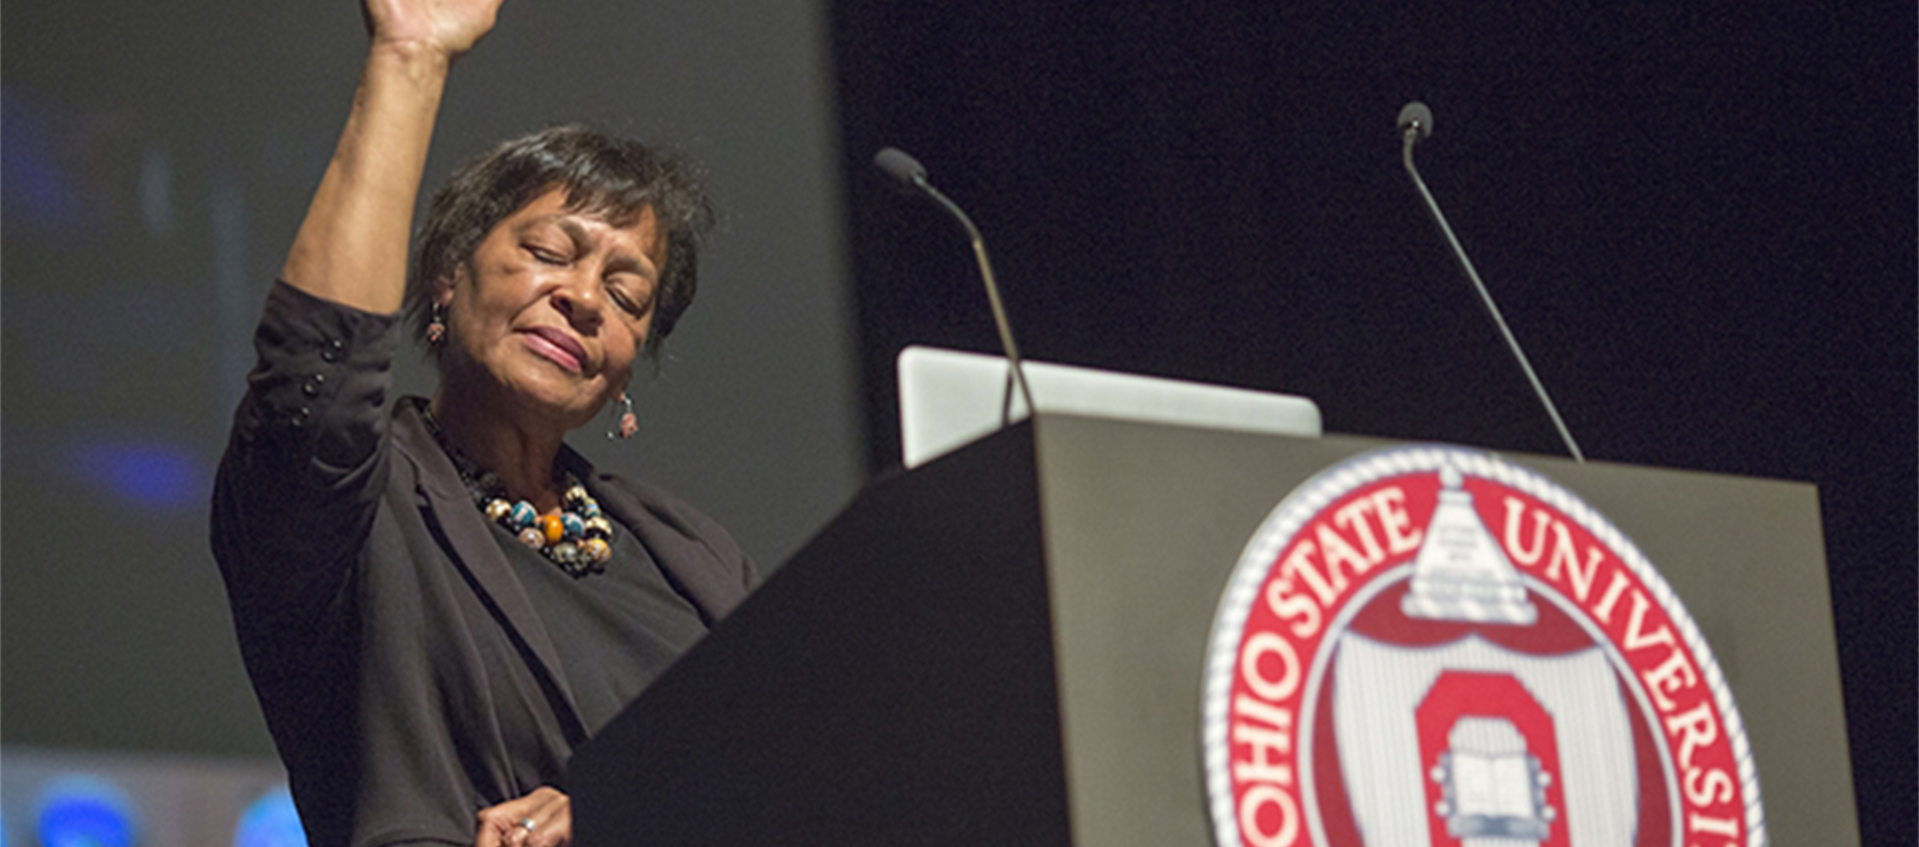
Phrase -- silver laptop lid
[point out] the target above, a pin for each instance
(949, 399)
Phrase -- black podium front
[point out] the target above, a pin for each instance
(1005, 646)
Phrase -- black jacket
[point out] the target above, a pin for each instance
(404, 674)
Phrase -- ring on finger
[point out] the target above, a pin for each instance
(528, 824)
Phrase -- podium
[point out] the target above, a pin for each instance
(1005, 646)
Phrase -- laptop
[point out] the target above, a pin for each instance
(949, 399)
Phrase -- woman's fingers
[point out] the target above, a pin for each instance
(543, 818)
(452, 26)
(554, 827)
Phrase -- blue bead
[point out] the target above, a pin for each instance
(574, 526)
(524, 515)
(591, 509)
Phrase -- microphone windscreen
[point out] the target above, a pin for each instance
(1416, 115)
(905, 171)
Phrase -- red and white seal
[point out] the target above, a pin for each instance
(1433, 647)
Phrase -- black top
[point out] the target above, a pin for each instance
(615, 631)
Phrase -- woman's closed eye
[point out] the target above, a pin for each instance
(548, 255)
(635, 304)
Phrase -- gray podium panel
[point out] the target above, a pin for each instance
(1145, 523)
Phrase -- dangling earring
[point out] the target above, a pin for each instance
(629, 422)
(436, 325)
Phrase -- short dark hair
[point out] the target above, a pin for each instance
(605, 175)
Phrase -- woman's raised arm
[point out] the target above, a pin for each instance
(352, 246)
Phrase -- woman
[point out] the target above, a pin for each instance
(436, 599)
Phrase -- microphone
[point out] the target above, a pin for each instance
(1417, 117)
(1416, 125)
(906, 174)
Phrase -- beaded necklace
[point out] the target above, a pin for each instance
(576, 537)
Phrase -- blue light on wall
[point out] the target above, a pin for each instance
(150, 475)
(36, 190)
(85, 811)
(270, 821)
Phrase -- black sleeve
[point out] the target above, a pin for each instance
(306, 461)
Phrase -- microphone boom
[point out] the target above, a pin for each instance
(909, 176)
(1415, 125)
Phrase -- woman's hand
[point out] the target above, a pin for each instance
(450, 27)
(541, 819)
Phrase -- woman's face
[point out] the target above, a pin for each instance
(550, 312)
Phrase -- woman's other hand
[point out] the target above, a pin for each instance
(541, 819)
(451, 27)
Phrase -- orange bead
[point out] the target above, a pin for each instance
(554, 528)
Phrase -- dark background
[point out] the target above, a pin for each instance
(1698, 218)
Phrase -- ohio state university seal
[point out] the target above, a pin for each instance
(1429, 646)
